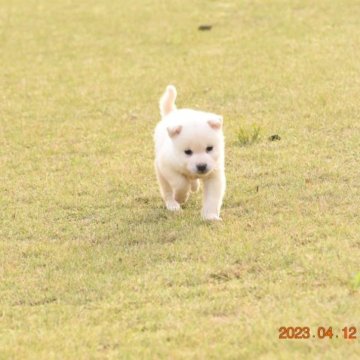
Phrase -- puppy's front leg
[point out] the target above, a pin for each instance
(181, 188)
(214, 189)
(176, 190)
(166, 191)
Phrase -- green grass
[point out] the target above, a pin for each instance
(248, 136)
(92, 266)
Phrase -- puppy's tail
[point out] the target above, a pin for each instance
(167, 101)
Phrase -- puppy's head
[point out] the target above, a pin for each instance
(198, 142)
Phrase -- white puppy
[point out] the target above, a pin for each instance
(189, 146)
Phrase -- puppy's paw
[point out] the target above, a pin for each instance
(211, 217)
(195, 185)
(173, 205)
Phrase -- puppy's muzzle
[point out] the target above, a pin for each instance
(202, 168)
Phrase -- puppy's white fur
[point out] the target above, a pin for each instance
(200, 135)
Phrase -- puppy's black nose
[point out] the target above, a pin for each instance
(201, 168)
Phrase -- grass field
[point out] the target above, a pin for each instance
(91, 264)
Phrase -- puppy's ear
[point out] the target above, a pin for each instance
(174, 130)
(216, 122)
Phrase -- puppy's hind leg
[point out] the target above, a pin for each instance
(167, 192)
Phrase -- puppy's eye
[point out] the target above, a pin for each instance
(188, 152)
(209, 148)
